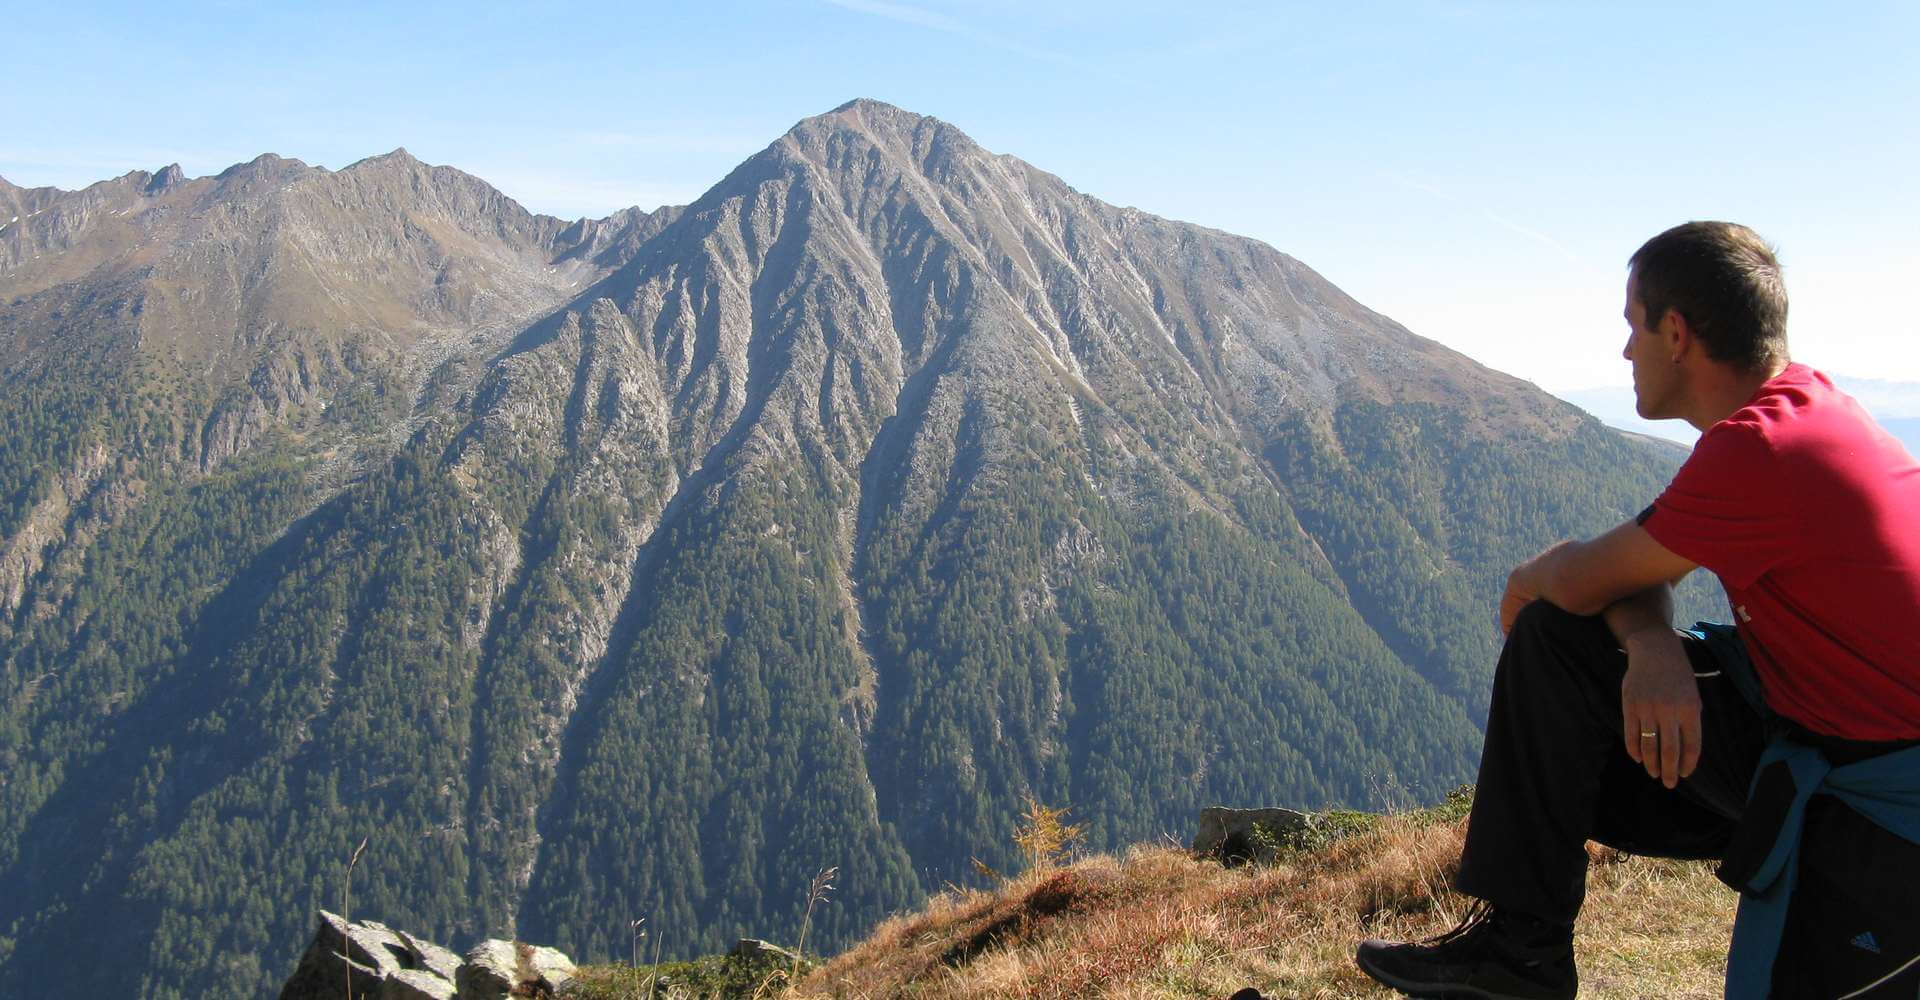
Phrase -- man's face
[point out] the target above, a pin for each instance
(1655, 376)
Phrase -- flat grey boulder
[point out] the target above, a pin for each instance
(754, 949)
(1238, 836)
(442, 962)
(370, 951)
(491, 971)
(387, 964)
(548, 968)
(416, 984)
(496, 969)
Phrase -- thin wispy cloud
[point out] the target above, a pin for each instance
(1270, 41)
(1533, 235)
(1504, 12)
(936, 21)
(906, 15)
(671, 142)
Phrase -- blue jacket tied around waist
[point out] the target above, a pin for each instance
(1884, 789)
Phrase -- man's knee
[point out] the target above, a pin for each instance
(1543, 633)
(1544, 618)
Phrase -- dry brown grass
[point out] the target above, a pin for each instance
(1158, 923)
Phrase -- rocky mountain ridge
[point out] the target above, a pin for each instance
(644, 566)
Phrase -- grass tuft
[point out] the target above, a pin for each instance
(710, 978)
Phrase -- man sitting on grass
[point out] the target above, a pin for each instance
(1607, 724)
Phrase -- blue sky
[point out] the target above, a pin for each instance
(1478, 171)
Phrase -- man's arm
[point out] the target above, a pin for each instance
(1585, 577)
(1627, 576)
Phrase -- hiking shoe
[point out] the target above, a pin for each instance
(1490, 956)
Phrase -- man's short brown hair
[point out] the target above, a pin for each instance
(1725, 280)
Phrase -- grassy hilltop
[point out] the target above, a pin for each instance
(1158, 923)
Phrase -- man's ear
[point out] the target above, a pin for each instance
(1676, 334)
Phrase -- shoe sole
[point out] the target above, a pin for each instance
(1429, 991)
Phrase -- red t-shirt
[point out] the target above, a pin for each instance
(1810, 515)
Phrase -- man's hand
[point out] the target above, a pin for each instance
(1661, 697)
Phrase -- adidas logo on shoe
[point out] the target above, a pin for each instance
(1866, 942)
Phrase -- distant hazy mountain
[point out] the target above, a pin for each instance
(1614, 405)
(645, 566)
(1896, 405)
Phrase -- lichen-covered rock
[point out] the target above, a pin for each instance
(754, 949)
(1241, 835)
(496, 969)
(491, 971)
(442, 962)
(385, 964)
(549, 968)
(416, 984)
(370, 950)
(388, 964)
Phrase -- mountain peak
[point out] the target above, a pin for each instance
(868, 115)
(822, 138)
(916, 137)
(399, 157)
(869, 104)
(169, 176)
(264, 165)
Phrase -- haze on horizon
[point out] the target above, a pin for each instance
(1478, 171)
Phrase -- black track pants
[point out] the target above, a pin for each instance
(1555, 773)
